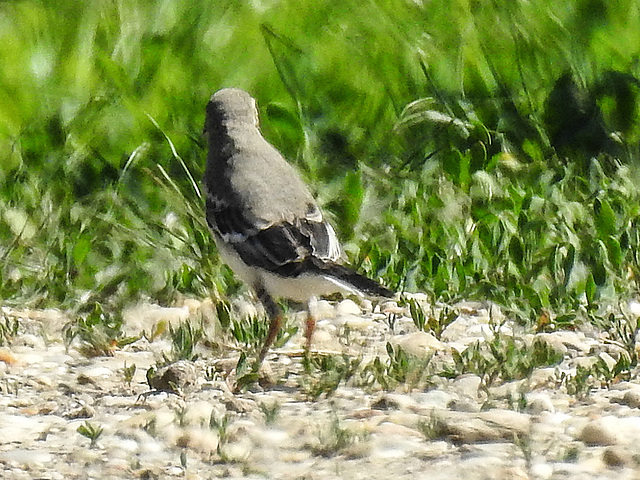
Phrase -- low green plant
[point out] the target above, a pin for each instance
(251, 331)
(431, 427)
(335, 438)
(429, 322)
(595, 376)
(92, 431)
(180, 412)
(623, 330)
(221, 426)
(184, 340)
(128, 373)
(323, 374)
(270, 411)
(99, 332)
(8, 328)
(504, 357)
(399, 369)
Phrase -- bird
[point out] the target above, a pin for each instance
(266, 224)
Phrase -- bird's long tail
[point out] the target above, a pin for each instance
(359, 282)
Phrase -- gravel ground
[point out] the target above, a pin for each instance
(456, 428)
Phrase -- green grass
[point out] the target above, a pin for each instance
(445, 139)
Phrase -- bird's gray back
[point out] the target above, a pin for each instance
(246, 169)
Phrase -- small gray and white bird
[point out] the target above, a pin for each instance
(266, 224)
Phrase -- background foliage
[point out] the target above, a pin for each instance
(468, 149)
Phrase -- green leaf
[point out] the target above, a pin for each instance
(81, 249)
(590, 289)
(605, 218)
(417, 314)
(614, 251)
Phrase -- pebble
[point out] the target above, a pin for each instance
(419, 344)
(595, 433)
(539, 403)
(467, 384)
(631, 398)
(348, 307)
(616, 457)
(174, 378)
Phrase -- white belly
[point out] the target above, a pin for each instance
(299, 289)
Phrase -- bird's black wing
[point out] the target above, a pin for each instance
(281, 247)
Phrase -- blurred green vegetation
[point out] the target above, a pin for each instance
(467, 148)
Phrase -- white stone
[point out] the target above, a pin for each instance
(467, 385)
(538, 403)
(419, 344)
(348, 307)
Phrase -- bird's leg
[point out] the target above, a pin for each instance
(312, 307)
(275, 315)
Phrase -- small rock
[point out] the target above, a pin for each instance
(419, 344)
(634, 307)
(538, 403)
(357, 450)
(77, 410)
(491, 426)
(200, 440)
(366, 305)
(631, 399)
(391, 307)
(348, 307)
(355, 322)
(237, 404)
(553, 341)
(467, 385)
(542, 377)
(570, 340)
(435, 399)
(26, 456)
(31, 341)
(391, 401)
(616, 457)
(144, 316)
(507, 421)
(322, 309)
(238, 451)
(198, 413)
(594, 433)
(174, 377)
(463, 405)
(541, 470)
(388, 429)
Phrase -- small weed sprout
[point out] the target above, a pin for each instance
(335, 439)
(431, 427)
(100, 332)
(324, 373)
(399, 369)
(8, 329)
(270, 411)
(90, 430)
(128, 373)
(221, 427)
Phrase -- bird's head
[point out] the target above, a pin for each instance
(229, 108)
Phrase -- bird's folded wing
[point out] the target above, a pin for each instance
(278, 247)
